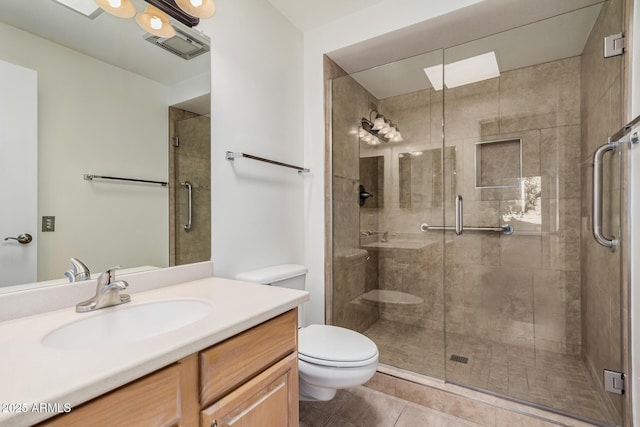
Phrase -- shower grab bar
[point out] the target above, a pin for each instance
(91, 177)
(459, 228)
(230, 155)
(187, 226)
(506, 229)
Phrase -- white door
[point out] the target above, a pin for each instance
(18, 173)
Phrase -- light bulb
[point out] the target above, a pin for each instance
(379, 123)
(196, 3)
(155, 22)
(374, 141)
(119, 8)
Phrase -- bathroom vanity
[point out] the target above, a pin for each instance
(235, 363)
(251, 379)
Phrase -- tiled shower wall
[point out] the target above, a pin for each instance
(350, 102)
(602, 116)
(411, 262)
(522, 289)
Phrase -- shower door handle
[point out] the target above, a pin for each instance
(187, 184)
(597, 196)
(459, 214)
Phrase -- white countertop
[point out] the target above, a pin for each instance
(31, 373)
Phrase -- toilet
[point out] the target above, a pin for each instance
(329, 357)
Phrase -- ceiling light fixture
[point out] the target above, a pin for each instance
(119, 8)
(469, 70)
(197, 8)
(156, 22)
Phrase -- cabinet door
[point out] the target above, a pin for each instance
(231, 363)
(268, 400)
(168, 397)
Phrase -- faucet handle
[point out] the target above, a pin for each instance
(79, 271)
(108, 276)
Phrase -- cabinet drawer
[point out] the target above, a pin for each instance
(229, 364)
(268, 400)
(165, 398)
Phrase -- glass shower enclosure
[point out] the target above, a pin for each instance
(462, 246)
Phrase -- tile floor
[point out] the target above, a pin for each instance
(362, 406)
(548, 379)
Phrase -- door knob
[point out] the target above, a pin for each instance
(22, 238)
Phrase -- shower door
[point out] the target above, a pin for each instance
(531, 314)
(387, 273)
(190, 192)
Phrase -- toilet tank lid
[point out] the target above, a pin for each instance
(273, 274)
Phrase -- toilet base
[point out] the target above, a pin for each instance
(320, 383)
(310, 393)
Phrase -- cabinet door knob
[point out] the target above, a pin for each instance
(214, 423)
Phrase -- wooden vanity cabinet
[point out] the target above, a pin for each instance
(268, 400)
(250, 379)
(168, 397)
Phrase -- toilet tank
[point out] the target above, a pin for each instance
(284, 276)
(290, 276)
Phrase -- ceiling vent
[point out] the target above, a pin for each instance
(186, 43)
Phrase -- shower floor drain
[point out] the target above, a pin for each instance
(459, 359)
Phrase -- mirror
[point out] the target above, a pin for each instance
(420, 177)
(103, 98)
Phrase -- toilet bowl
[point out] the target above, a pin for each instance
(329, 357)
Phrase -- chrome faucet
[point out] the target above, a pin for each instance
(79, 271)
(107, 293)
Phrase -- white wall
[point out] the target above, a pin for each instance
(256, 107)
(86, 127)
(382, 18)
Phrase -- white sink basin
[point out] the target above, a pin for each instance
(127, 324)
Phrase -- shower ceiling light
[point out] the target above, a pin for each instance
(198, 8)
(463, 72)
(156, 22)
(119, 8)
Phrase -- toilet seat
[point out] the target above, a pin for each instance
(334, 346)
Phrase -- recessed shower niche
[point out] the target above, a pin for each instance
(498, 164)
